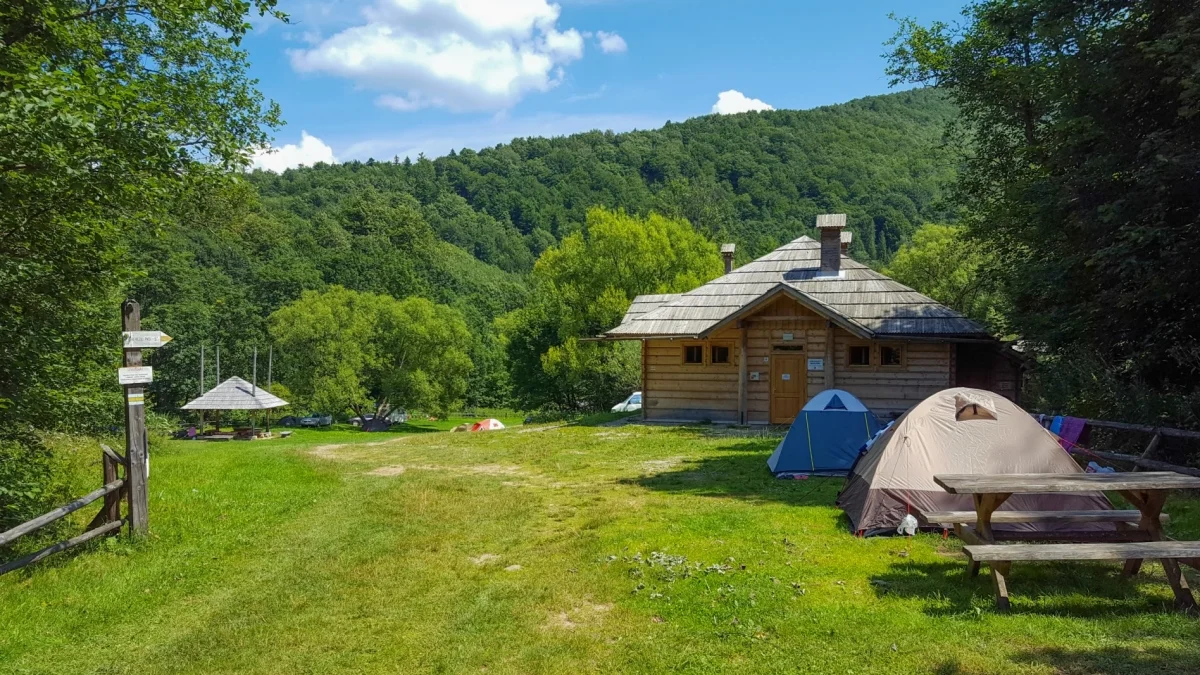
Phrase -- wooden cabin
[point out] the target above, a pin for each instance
(752, 346)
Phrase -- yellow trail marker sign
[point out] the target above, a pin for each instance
(144, 339)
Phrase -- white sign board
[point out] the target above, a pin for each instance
(144, 339)
(754, 375)
(816, 364)
(136, 375)
(787, 376)
(787, 337)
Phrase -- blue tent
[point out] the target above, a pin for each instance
(825, 436)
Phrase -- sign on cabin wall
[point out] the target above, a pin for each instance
(754, 376)
(787, 337)
(816, 364)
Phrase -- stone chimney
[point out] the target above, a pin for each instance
(830, 225)
(727, 254)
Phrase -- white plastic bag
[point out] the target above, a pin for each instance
(908, 526)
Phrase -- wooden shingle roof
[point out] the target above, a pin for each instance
(859, 299)
(236, 394)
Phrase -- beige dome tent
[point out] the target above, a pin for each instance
(956, 431)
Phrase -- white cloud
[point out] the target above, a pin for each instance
(611, 43)
(459, 54)
(734, 101)
(310, 151)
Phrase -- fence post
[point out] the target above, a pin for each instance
(135, 429)
(112, 501)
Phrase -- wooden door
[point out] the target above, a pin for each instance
(788, 387)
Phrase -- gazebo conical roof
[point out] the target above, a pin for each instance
(236, 394)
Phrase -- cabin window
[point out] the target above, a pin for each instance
(719, 354)
(858, 355)
(891, 355)
(693, 354)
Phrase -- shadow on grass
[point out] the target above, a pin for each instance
(1115, 660)
(742, 476)
(1058, 589)
(1105, 661)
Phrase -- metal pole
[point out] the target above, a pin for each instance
(201, 413)
(135, 428)
(270, 362)
(254, 377)
(218, 364)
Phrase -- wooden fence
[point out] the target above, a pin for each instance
(108, 520)
(1146, 460)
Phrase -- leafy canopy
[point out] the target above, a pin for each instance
(942, 262)
(349, 350)
(1082, 172)
(583, 287)
(107, 108)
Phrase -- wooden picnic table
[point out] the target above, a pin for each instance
(1147, 491)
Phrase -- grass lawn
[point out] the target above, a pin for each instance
(552, 549)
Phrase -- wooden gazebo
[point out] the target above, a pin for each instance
(235, 394)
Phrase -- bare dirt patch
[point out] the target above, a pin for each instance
(570, 620)
(328, 451)
(655, 465)
(485, 559)
(346, 450)
(495, 470)
(387, 471)
(561, 621)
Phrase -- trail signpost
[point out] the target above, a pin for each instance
(132, 376)
(144, 339)
(136, 375)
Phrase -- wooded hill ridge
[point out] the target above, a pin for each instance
(757, 179)
(464, 230)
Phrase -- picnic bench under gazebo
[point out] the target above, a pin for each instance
(1137, 535)
(234, 394)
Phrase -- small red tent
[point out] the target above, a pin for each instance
(487, 425)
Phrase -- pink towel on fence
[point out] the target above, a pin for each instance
(1072, 429)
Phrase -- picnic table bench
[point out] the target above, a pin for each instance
(1147, 491)
(1125, 521)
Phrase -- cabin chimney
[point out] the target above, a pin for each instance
(830, 226)
(847, 237)
(727, 254)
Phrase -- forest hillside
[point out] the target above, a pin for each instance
(464, 230)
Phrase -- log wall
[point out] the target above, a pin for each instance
(674, 390)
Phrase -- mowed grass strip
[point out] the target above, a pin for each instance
(551, 549)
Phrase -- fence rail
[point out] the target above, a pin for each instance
(107, 520)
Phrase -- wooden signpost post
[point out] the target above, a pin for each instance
(132, 376)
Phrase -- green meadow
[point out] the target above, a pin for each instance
(551, 549)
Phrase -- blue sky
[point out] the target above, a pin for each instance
(379, 78)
